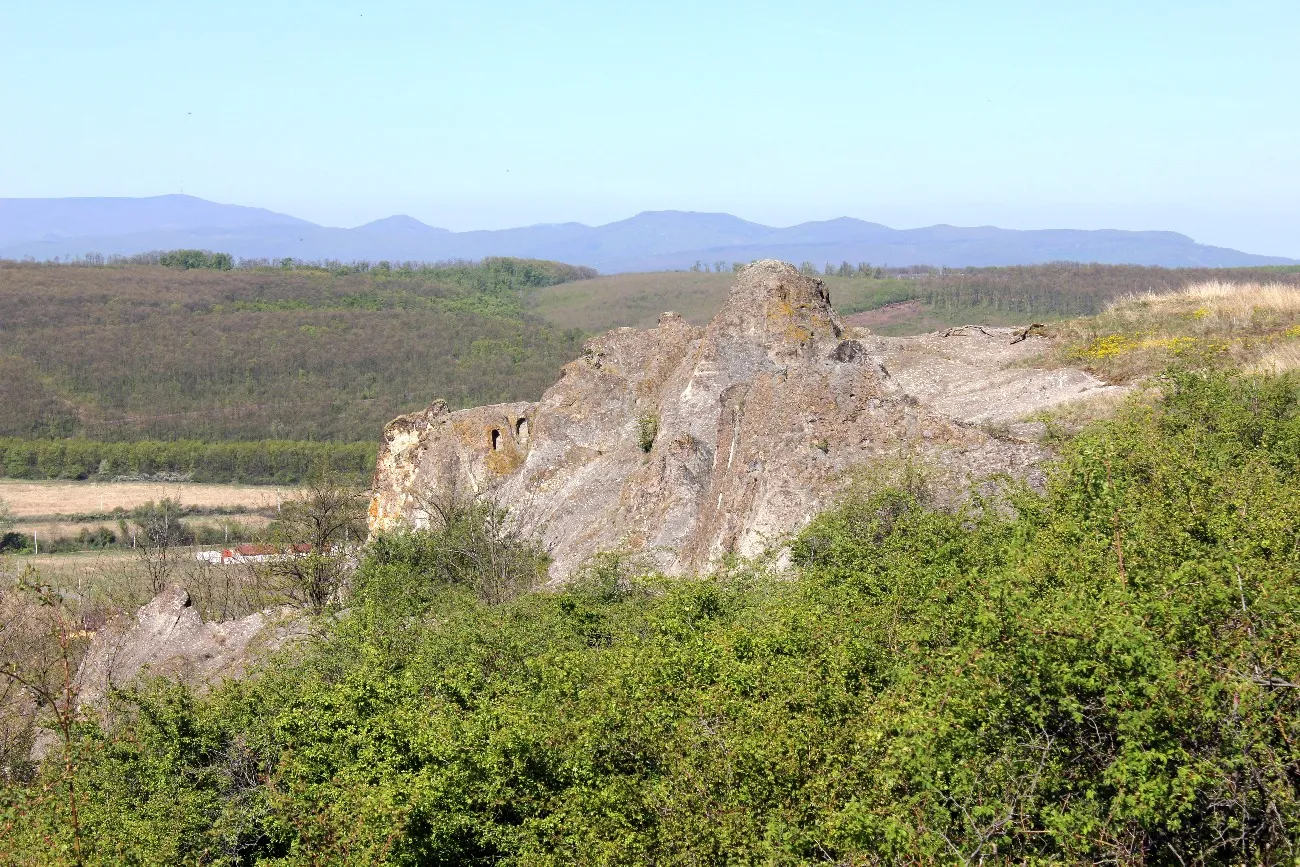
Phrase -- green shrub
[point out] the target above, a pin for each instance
(647, 428)
(1104, 672)
(471, 545)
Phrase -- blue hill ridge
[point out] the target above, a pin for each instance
(652, 240)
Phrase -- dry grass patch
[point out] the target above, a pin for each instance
(47, 528)
(1237, 303)
(96, 585)
(1278, 360)
(1254, 326)
(31, 499)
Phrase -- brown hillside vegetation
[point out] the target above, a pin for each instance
(941, 297)
(127, 352)
(141, 351)
(634, 300)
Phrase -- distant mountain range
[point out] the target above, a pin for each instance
(650, 241)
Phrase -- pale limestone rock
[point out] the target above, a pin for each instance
(167, 637)
(760, 414)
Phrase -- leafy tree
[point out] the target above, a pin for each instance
(470, 542)
(314, 539)
(188, 259)
(157, 537)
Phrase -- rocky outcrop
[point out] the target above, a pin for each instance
(685, 444)
(167, 637)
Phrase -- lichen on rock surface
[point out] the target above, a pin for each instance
(760, 416)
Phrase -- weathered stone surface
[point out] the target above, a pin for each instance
(983, 374)
(759, 415)
(168, 637)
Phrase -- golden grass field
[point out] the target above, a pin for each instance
(113, 579)
(27, 500)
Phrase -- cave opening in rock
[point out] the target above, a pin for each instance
(496, 439)
(521, 430)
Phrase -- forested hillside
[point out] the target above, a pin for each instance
(193, 346)
(147, 351)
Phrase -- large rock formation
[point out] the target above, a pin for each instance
(685, 443)
(167, 637)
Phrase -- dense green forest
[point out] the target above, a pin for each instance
(146, 351)
(1103, 673)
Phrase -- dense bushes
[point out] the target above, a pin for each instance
(264, 461)
(1108, 673)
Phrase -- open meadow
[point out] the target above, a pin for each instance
(84, 533)
(30, 501)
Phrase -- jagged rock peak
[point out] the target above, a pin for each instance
(775, 305)
(681, 445)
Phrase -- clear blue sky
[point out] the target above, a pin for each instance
(1138, 114)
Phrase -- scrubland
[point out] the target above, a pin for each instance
(1103, 671)
(140, 352)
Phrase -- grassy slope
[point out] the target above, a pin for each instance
(1249, 326)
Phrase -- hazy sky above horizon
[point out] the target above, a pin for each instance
(1152, 115)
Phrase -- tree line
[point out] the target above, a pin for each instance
(532, 272)
(255, 462)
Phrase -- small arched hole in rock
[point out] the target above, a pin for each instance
(496, 439)
(521, 430)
